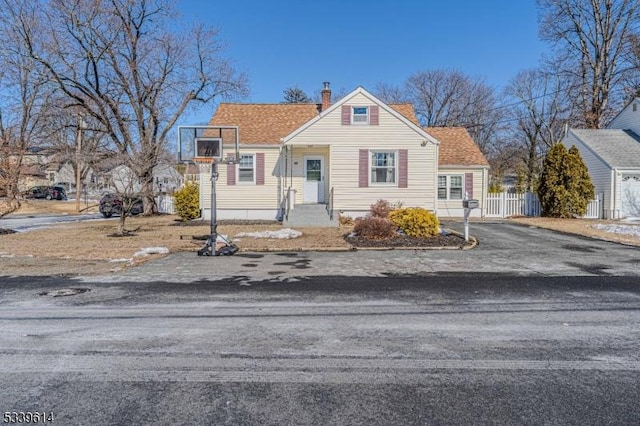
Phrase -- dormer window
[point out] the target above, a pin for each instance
(360, 115)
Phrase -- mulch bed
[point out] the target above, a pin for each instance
(401, 240)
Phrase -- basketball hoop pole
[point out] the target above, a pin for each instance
(209, 248)
(214, 214)
(204, 144)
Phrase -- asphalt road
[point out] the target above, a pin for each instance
(449, 348)
(23, 223)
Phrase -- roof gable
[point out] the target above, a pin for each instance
(624, 110)
(617, 148)
(403, 112)
(457, 148)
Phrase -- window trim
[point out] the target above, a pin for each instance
(253, 167)
(448, 187)
(395, 167)
(367, 115)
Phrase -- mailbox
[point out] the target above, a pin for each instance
(470, 204)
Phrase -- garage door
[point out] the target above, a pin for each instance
(630, 196)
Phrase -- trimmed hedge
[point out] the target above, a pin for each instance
(415, 221)
(187, 201)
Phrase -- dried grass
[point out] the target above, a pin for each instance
(582, 227)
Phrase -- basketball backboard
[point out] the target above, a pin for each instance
(208, 142)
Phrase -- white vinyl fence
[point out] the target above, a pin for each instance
(165, 204)
(507, 204)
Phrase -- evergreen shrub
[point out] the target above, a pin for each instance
(415, 221)
(187, 201)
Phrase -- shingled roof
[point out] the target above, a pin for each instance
(268, 123)
(456, 147)
(617, 148)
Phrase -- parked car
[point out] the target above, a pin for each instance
(111, 204)
(46, 192)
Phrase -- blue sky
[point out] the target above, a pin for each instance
(282, 43)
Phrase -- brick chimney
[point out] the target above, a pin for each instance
(326, 96)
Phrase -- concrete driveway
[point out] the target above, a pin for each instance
(504, 248)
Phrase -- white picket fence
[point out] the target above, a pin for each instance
(507, 204)
(166, 204)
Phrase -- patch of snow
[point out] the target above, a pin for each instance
(151, 250)
(282, 234)
(7, 255)
(620, 229)
(124, 259)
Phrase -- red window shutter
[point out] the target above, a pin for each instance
(231, 174)
(346, 115)
(468, 184)
(363, 168)
(403, 166)
(260, 168)
(231, 171)
(374, 114)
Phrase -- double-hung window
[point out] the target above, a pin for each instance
(383, 167)
(246, 168)
(360, 115)
(450, 187)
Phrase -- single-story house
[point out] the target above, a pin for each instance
(318, 160)
(612, 156)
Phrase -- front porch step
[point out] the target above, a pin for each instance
(310, 215)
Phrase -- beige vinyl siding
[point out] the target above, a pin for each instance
(295, 173)
(453, 208)
(627, 119)
(345, 142)
(599, 171)
(242, 195)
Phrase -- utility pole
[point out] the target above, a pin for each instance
(78, 174)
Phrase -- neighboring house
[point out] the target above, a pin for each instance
(612, 156)
(322, 159)
(166, 179)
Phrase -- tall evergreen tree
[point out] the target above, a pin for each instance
(582, 189)
(565, 186)
(295, 95)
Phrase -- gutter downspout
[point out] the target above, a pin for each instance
(485, 188)
(614, 188)
(435, 180)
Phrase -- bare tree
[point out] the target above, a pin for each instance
(450, 98)
(80, 143)
(390, 94)
(591, 38)
(539, 108)
(128, 67)
(24, 100)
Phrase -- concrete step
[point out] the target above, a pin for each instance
(305, 215)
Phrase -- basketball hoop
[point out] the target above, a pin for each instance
(204, 146)
(203, 160)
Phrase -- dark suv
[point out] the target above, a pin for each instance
(46, 192)
(111, 204)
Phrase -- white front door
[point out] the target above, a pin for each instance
(313, 190)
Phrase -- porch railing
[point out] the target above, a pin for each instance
(330, 204)
(287, 203)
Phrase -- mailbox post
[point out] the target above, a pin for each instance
(468, 204)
